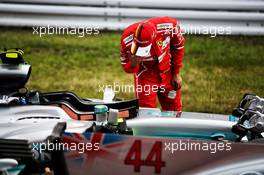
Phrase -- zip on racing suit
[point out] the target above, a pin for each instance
(153, 75)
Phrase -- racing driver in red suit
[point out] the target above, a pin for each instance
(153, 50)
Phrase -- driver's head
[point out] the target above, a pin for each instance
(144, 35)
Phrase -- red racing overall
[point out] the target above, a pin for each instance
(156, 69)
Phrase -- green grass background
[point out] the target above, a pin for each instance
(217, 71)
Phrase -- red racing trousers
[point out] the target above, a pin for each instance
(148, 89)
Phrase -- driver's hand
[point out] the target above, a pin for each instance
(177, 81)
(135, 60)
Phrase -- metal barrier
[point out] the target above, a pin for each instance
(237, 16)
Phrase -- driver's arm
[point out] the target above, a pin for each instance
(177, 49)
(128, 61)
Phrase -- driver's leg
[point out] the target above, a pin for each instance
(145, 93)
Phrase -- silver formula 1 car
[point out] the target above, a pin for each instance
(29, 118)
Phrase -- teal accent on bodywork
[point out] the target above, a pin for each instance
(16, 170)
(167, 114)
(159, 113)
(233, 118)
(218, 135)
(173, 134)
